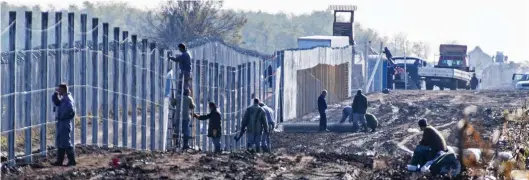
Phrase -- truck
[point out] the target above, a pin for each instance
(521, 81)
(451, 71)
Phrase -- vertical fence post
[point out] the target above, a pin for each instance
(115, 87)
(95, 104)
(12, 99)
(259, 79)
(71, 67)
(211, 95)
(58, 59)
(153, 91)
(245, 98)
(133, 91)
(124, 89)
(162, 86)
(223, 96)
(281, 85)
(227, 109)
(197, 99)
(239, 101)
(232, 89)
(82, 67)
(27, 87)
(216, 84)
(143, 95)
(205, 65)
(105, 85)
(43, 68)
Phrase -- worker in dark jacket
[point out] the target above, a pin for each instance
(347, 113)
(322, 107)
(474, 82)
(265, 139)
(187, 111)
(185, 65)
(65, 115)
(359, 111)
(431, 144)
(254, 124)
(214, 125)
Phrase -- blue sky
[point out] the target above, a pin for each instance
(493, 25)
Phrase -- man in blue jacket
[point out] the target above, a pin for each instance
(185, 65)
(359, 111)
(65, 114)
(322, 107)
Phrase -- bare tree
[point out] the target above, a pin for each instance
(184, 21)
(401, 44)
(420, 49)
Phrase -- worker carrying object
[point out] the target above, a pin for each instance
(254, 123)
(214, 125)
(371, 120)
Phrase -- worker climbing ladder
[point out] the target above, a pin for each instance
(175, 138)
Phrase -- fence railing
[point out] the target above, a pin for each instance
(124, 86)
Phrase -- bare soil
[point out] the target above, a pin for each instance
(380, 155)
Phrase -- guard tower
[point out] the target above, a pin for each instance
(343, 21)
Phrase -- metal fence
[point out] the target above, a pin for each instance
(123, 86)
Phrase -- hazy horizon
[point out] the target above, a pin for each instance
(492, 25)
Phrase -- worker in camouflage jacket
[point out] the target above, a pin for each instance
(64, 102)
(254, 123)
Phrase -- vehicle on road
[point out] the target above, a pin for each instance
(521, 81)
(452, 70)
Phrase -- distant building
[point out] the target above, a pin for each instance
(322, 41)
(479, 60)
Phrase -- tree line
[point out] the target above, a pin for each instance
(184, 21)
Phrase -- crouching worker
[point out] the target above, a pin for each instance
(372, 122)
(347, 113)
(431, 145)
(265, 139)
(65, 114)
(214, 125)
(254, 124)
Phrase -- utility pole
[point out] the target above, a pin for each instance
(366, 55)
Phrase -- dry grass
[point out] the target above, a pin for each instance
(512, 136)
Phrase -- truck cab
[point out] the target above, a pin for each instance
(521, 81)
(453, 56)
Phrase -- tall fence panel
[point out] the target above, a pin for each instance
(102, 73)
(319, 69)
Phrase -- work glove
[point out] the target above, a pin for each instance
(214, 132)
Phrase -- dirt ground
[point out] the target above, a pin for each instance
(380, 155)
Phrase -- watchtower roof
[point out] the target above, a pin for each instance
(342, 8)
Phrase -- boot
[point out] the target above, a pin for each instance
(60, 157)
(265, 149)
(185, 143)
(70, 153)
(355, 127)
(257, 149)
